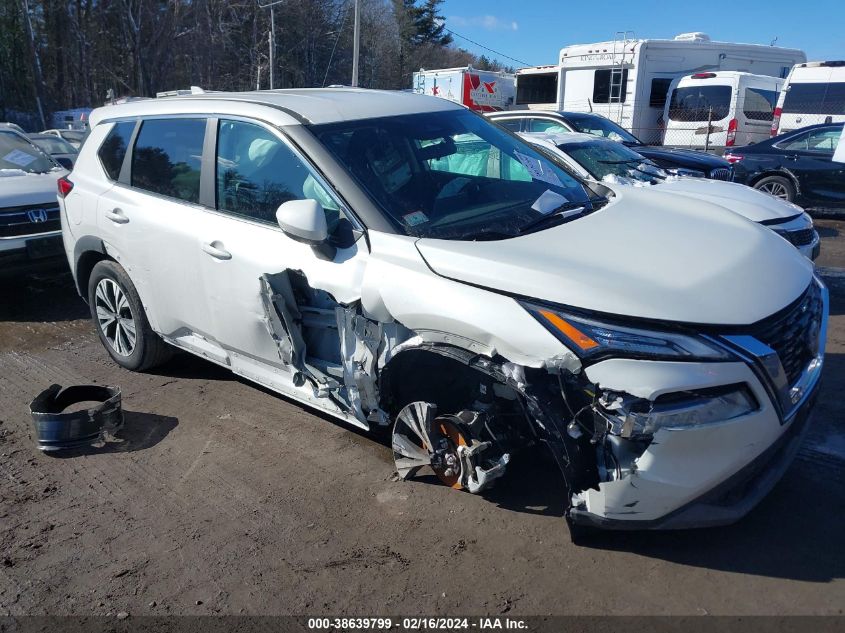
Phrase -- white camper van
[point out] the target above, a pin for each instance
(715, 110)
(480, 90)
(814, 93)
(627, 79)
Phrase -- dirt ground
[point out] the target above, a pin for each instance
(223, 498)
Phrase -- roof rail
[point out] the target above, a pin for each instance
(194, 90)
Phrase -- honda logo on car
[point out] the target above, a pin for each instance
(37, 216)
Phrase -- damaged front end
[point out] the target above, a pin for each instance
(650, 428)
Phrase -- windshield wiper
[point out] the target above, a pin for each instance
(620, 162)
(564, 211)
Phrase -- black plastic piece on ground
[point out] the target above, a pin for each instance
(56, 430)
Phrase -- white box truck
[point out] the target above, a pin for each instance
(480, 90)
(627, 79)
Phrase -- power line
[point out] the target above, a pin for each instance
(513, 59)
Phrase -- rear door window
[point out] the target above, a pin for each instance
(113, 150)
(168, 156)
(759, 104)
(700, 103)
(815, 98)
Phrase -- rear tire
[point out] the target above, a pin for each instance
(121, 322)
(777, 186)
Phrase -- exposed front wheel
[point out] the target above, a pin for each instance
(120, 319)
(777, 186)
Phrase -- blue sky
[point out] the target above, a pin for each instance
(534, 31)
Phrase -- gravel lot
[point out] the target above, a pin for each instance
(224, 498)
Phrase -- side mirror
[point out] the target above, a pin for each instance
(303, 220)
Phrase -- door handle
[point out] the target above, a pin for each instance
(216, 250)
(791, 157)
(117, 216)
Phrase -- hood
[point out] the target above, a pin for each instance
(19, 188)
(682, 157)
(646, 254)
(750, 203)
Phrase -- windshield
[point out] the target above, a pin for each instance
(600, 126)
(17, 153)
(54, 145)
(700, 103)
(607, 158)
(452, 175)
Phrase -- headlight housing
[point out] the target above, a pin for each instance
(687, 173)
(590, 338)
(676, 412)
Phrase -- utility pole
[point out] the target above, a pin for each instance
(272, 45)
(36, 63)
(356, 45)
(271, 37)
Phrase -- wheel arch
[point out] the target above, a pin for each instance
(87, 252)
(783, 173)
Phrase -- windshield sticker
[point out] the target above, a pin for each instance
(18, 157)
(416, 218)
(538, 170)
(548, 202)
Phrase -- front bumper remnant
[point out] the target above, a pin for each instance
(56, 429)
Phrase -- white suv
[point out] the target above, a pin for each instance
(401, 263)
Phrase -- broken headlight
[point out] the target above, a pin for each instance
(632, 417)
(589, 338)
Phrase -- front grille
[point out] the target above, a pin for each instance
(801, 237)
(29, 220)
(793, 333)
(722, 173)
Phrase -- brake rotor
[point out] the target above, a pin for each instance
(421, 438)
(448, 466)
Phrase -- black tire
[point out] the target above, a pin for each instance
(118, 301)
(777, 186)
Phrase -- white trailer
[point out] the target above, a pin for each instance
(480, 90)
(537, 87)
(627, 79)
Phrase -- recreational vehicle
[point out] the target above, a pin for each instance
(627, 79)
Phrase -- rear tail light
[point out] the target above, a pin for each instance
(65, 186)
(731, 138)
(776, 121)
(733, 158)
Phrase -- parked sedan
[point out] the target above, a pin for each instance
(59, 149)
(682, 162)
(613, 164)
(796, 166)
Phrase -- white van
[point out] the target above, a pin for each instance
(739, 106)
(814, 93)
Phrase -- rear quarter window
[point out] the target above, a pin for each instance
(113, 150)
